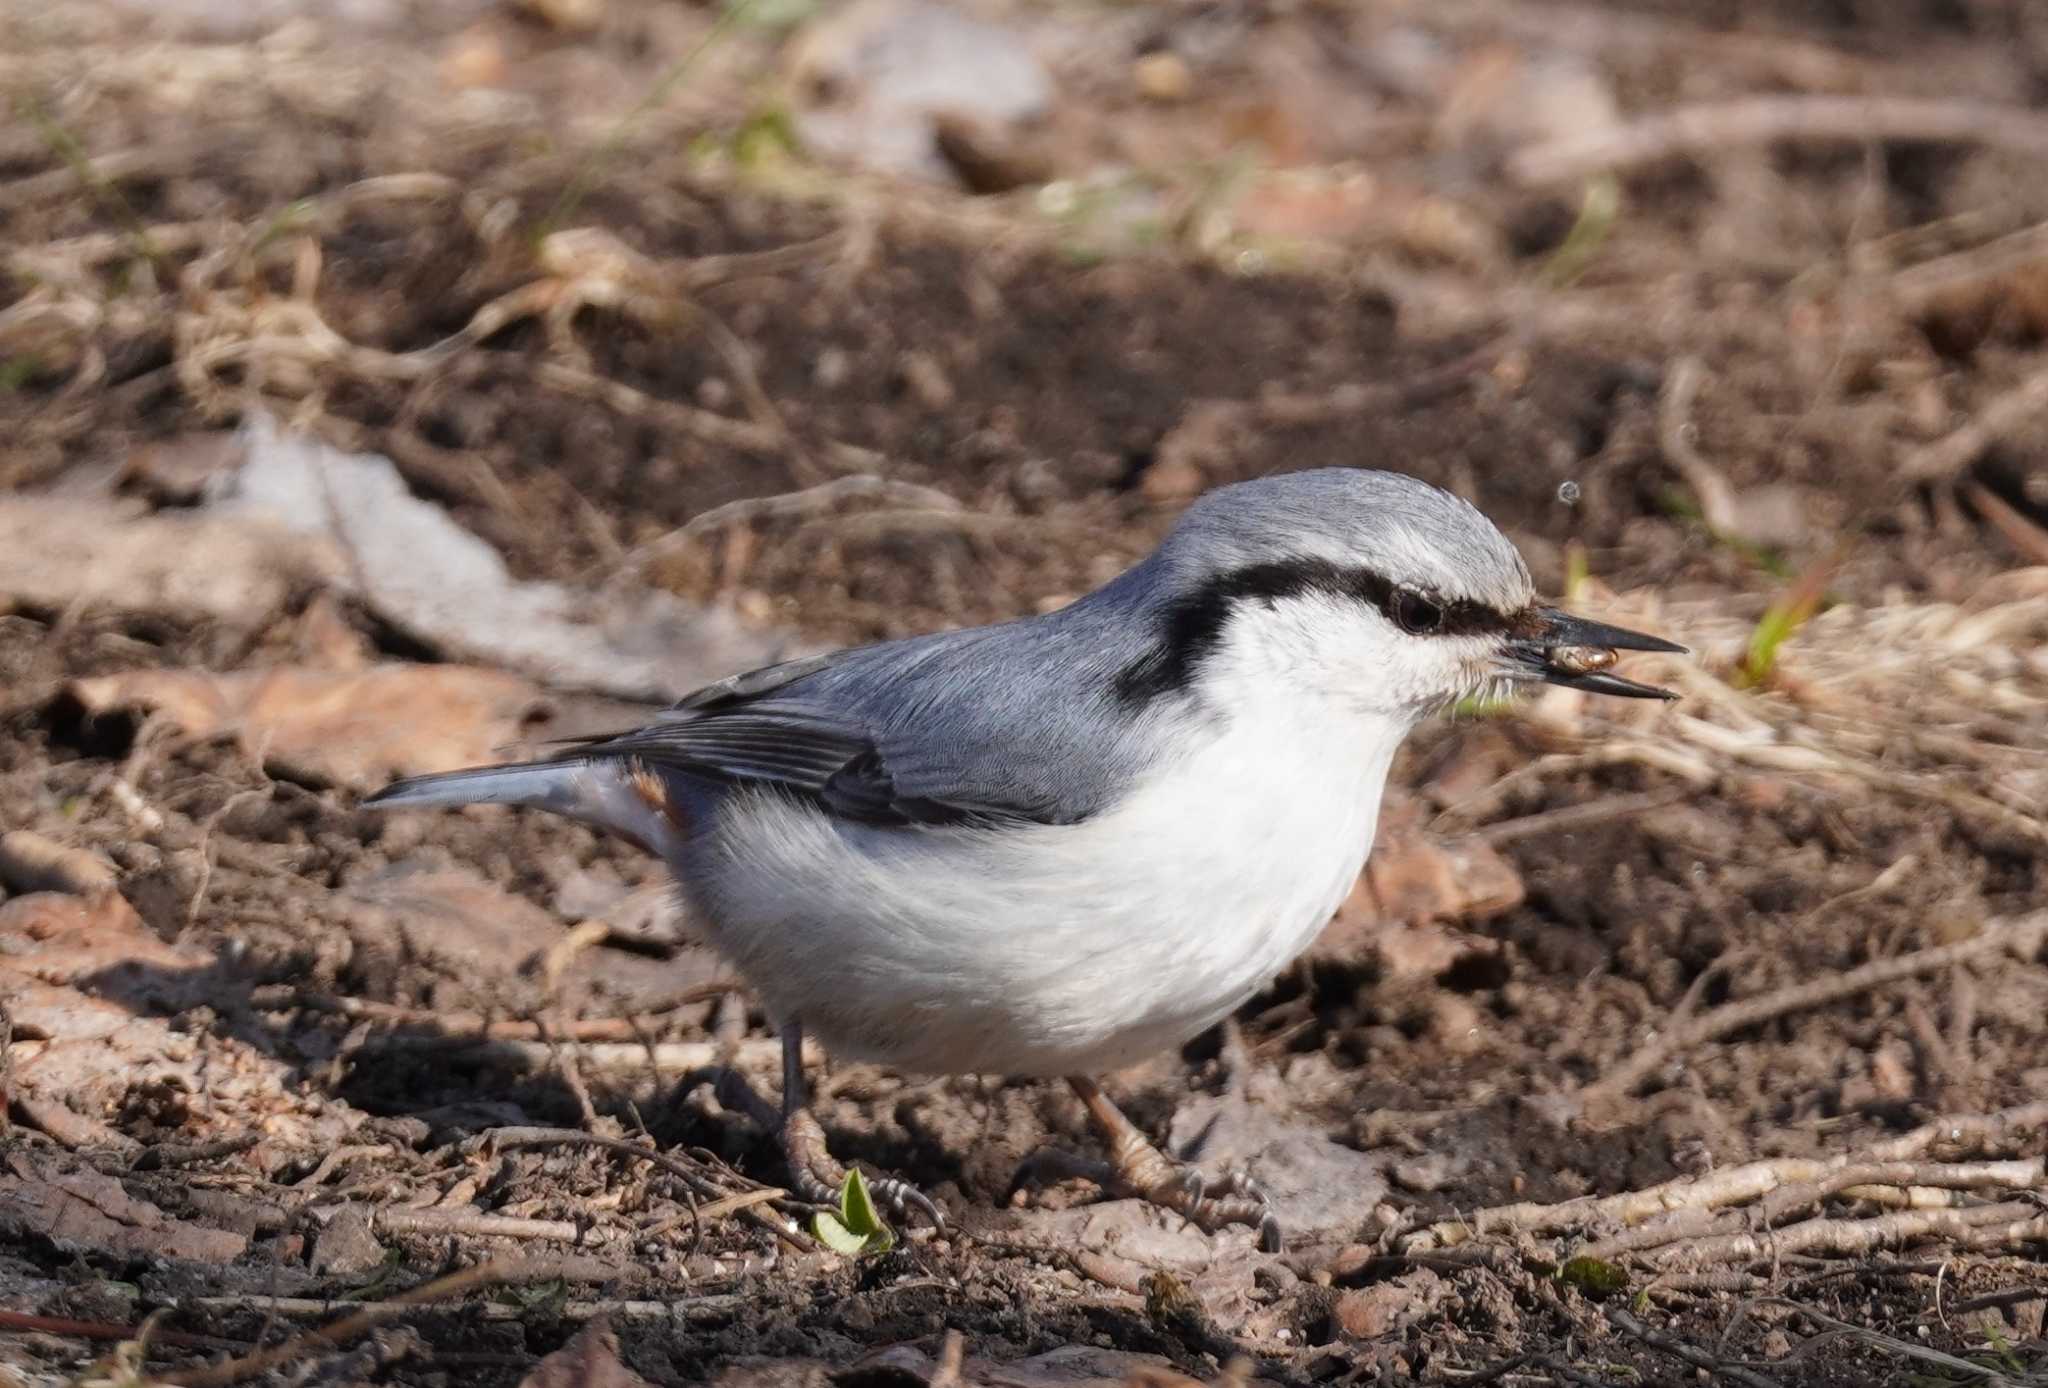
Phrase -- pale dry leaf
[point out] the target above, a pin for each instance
(353, 728)
(1414, 884)
(59, 552)
(410, 562)
(590, 1360)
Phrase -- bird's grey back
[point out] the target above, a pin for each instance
(1036, 718)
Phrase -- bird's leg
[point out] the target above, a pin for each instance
(814, 1177)
(1135, 1167)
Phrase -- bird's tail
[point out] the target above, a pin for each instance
(605, 792)
(547, 785)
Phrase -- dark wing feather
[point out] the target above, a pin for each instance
(746, 736)
(754, 684)
(952, 728)
(770, 745)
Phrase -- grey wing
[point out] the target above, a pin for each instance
(818, 753)
(909, 733)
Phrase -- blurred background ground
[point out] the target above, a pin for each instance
(385, 387)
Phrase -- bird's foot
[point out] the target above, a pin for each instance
(1141, 1171)
(816, 1178)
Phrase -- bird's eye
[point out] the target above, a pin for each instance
(1415, 613)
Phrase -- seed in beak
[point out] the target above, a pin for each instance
(1580, 660)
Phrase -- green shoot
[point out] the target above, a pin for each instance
(16, 372)
(857, 1229)
(769, 134)
(777, 14)
(66, 147)
(1597, 213)
(1682, 505)
(1788, 612)
(1576, 571)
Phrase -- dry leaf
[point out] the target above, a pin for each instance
(1413, 883)
(79, 978)
(590, 1360)
(178, 471)
(58, 551)
(411, 563)
(357, 729)
(87, 1210)
(29, 862)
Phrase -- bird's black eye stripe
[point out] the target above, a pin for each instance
(1414, 611)
(1194, 624)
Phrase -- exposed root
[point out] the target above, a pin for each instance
(1731, 1217)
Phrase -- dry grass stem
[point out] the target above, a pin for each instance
(1722, 126)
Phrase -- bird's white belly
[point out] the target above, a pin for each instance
(1049, 949)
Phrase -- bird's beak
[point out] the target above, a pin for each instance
(1557, 648)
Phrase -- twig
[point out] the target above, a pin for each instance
(809, 501)
(1991, 1377)
(2024, 934)
(602, 1055)
(1737, 1185)
(1949, 455)
(185, 1154)
(1998, 1301)
(695, 1182)
(1720, 126)
(336, 1157)
(348, 1327)
(2019, 531)
(480, 1225)
(719, 1209)
(1998, 1226)
(475, 1026)
(685, 1308)
(22, 1323)
(1569, 817)
(951, 1352)
(563, 1058)
(1976, 1131)
(30, 862)
(1691, 1354)
(1933, 1176)
(1674, 431)
(1918, 287)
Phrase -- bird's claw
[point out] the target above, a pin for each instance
(903, 1199)
(1232, 1198)
(816, 1179)
(1150, 1175)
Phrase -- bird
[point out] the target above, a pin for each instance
(1056, 846)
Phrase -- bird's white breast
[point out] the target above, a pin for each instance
(1055, 949)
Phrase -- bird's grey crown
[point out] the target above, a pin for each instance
(1398, 527)
(1045, 719)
